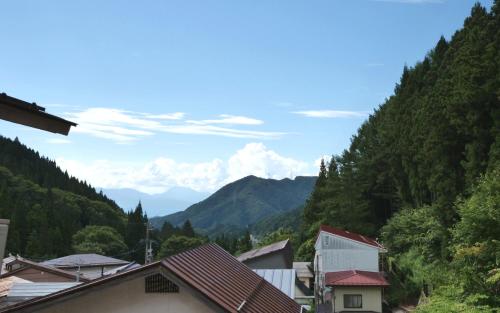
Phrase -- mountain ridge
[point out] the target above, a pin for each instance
(242, 203)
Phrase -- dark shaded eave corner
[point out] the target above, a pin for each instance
(30, 114)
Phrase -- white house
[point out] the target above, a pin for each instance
(347, 276)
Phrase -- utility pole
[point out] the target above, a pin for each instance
(148, 258)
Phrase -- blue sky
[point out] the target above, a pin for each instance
(200, 93)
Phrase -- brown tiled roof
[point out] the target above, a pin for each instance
(227, 282)
(49, 269)
(277, 246)
(350, 235)
(214, 273)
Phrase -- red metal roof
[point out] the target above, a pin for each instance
(349, 235)
(355, 278)
(228, 282)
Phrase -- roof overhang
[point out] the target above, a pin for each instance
(30, 114)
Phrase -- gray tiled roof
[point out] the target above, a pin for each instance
(90, 259)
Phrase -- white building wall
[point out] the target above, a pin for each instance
(130, 297)
(335, 253)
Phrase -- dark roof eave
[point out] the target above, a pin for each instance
(30, 114)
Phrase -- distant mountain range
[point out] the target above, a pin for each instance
(243, 203)
(174, 200)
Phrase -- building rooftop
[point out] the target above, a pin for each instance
(229, 283)
(355, 278)
(277, 246)
(283, 279)
(303, 269)
(42, 267)
(89, 259)
(350, 235)
(23, 290)
(123, 268)
(211, 271)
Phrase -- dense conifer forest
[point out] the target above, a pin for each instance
(422, 174)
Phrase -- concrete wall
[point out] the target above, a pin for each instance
(269, 261)
(372, 298)
(129, 297)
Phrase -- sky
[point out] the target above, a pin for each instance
(201, 93)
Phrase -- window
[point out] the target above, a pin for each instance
(353, 301)
(157, 283)
(326, 241)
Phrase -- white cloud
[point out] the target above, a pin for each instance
(58, 141)
(163, 173)
(331, 114)
(168, 116)
(126, 126)
(230, 120)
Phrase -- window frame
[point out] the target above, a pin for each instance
(353, 306)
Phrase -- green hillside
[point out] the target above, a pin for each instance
(47, 208)
(423, 173)
(242, 203)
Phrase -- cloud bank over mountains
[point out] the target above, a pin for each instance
(163, 173)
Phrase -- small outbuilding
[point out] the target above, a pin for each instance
(278, 255)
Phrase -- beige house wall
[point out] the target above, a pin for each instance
(129, 297)
(372, 298)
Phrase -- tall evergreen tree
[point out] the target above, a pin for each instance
(187, 229)
(136, 233)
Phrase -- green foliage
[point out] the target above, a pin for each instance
(476, 239)
(136, 233)
(187, 230)
(99, 239)
(278, 235)
(43, 221)
(421, 150)
(244, 243)
(178, 243)
(444, 300)
(289, 220)
(26, 162)
(417, 229)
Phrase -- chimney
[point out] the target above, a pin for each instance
(4, 229)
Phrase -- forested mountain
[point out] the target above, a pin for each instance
(48, 209)
(28, 163)
(422, 173)
(242, 203)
